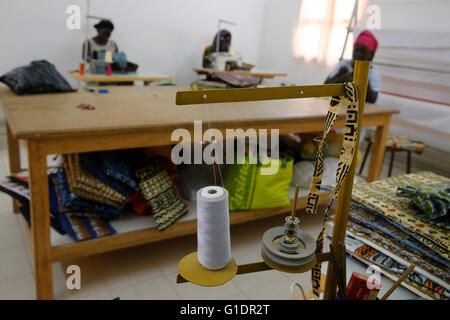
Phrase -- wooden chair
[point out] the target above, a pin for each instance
(394, 144)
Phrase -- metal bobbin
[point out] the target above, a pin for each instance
(287, 248)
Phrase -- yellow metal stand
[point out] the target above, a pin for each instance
(336, 256)
(190, 269)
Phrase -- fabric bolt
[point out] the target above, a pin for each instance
(429, 202)
(115, 166)
(378, 224)
(419, 281)
(400, 250)
(93, 163)
(79, 228)
(74, 202)
(56, 202)
(239, 81)
(86, 185)
(76, 226)
(381, 196)
(163, 198)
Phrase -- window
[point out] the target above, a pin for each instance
(322, 28)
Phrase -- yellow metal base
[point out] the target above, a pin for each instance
(285, 269)
(191, 270)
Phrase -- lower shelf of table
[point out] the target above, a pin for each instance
(133, 230)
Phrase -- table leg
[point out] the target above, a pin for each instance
(14, 158)
(40, 219)
(408, 161)
(391, 163)
(376, 160)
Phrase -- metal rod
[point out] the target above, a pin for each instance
(294, 205)
(218, 31)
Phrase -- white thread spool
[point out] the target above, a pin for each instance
(213, 227)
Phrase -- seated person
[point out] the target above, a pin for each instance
(101, 42)
(224, 46)
(364, 49)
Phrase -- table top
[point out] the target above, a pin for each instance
(133, 109)
(255, 73)
(121, 77)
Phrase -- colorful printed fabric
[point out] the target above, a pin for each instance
(17, 188)
(378, 224)
(57, 205)
(163, 198)
(419, 281)
(407, 253)
(74, 202)
(92, 162)
(85, 228)
(114, 166)
(429, 202)
(86, 185)
(381, 197)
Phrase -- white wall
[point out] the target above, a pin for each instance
(281, 18)
(412, 15)
(166, 36)
(276, 54)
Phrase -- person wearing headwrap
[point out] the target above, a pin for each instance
(223, 46)
(101, 42)
(364, 49)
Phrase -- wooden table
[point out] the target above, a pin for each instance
(262, 74)
(134, 117)
(122, 77)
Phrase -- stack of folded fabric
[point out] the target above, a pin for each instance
(86, 185)
(161, 194)
(91, 189)
(400, 221)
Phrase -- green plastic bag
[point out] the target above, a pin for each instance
(249, 189)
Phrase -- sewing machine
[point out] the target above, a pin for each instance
(226, 61)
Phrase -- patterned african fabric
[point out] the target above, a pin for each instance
(409, 254)
(57, 205)
(79, 228)
(74, 202)
(429, 202)
(92, 162)
(72, 223)
(163, 198)
(114, 165)
(390, 266)
(381, 197)
(402, 242)
(350, 101)
(86, 185)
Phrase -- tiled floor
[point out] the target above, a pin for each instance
(149, 271)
